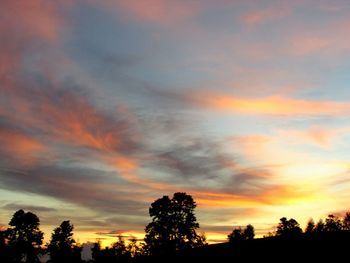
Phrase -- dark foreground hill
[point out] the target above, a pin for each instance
(314, 247)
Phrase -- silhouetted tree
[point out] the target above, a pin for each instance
(120, 250)
(249, 232)
(346, 221)
(320, 226)
(96, 252)
(4, 250)
(173, 225)
(62, 247)
(134, 249)
(310, 227)
(333, 223)
(288, 228)
(106, 255)
(238, 234)
(201, 240)
(24, 237)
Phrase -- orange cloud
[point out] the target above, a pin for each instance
(274, 105)
(271, 196)
(20, 146)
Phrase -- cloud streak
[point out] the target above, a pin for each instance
(274, 105)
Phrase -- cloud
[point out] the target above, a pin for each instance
(193, 158)
(319, 136)
(18, 145)
(24, 25)
(155, 11)
(263, 15)
(330, 39)
(26, 207)
(306, 44)
(86, 187)
(273, 105)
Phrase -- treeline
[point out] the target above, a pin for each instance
(291, 228)
(173, 228)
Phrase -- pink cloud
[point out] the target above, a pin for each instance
(331, 38)
(22, 23)
(20, 146)
(306, 44)
(263, 15)
(38, 18)
(155, 11)
(319, 136)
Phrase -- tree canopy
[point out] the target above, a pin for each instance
(62, 247)
(238, 234)
(173, 225)
(24, 237)
(287, 228)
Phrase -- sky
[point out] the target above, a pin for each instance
(106, 106)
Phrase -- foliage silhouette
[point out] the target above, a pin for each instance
(102, 255)
(333, 223)
(4, 251)
(24, 237)
(310, 227)
(238, 234)
(119, 252)
(346, 221)
(320, 226)
(62, 247)
(173, 225)
(134, 249)
(249, 232)
(326, 240)
(288, 228)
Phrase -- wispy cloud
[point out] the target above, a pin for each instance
(159, 12)
(275, 105)
(262, 15)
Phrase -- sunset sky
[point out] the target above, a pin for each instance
(108, 105)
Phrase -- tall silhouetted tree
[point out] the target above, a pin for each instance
(62, 247)
(288, 228)
(346, 221)
(310, 227)
(333, 223)
(173, 225)
(24, 237)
